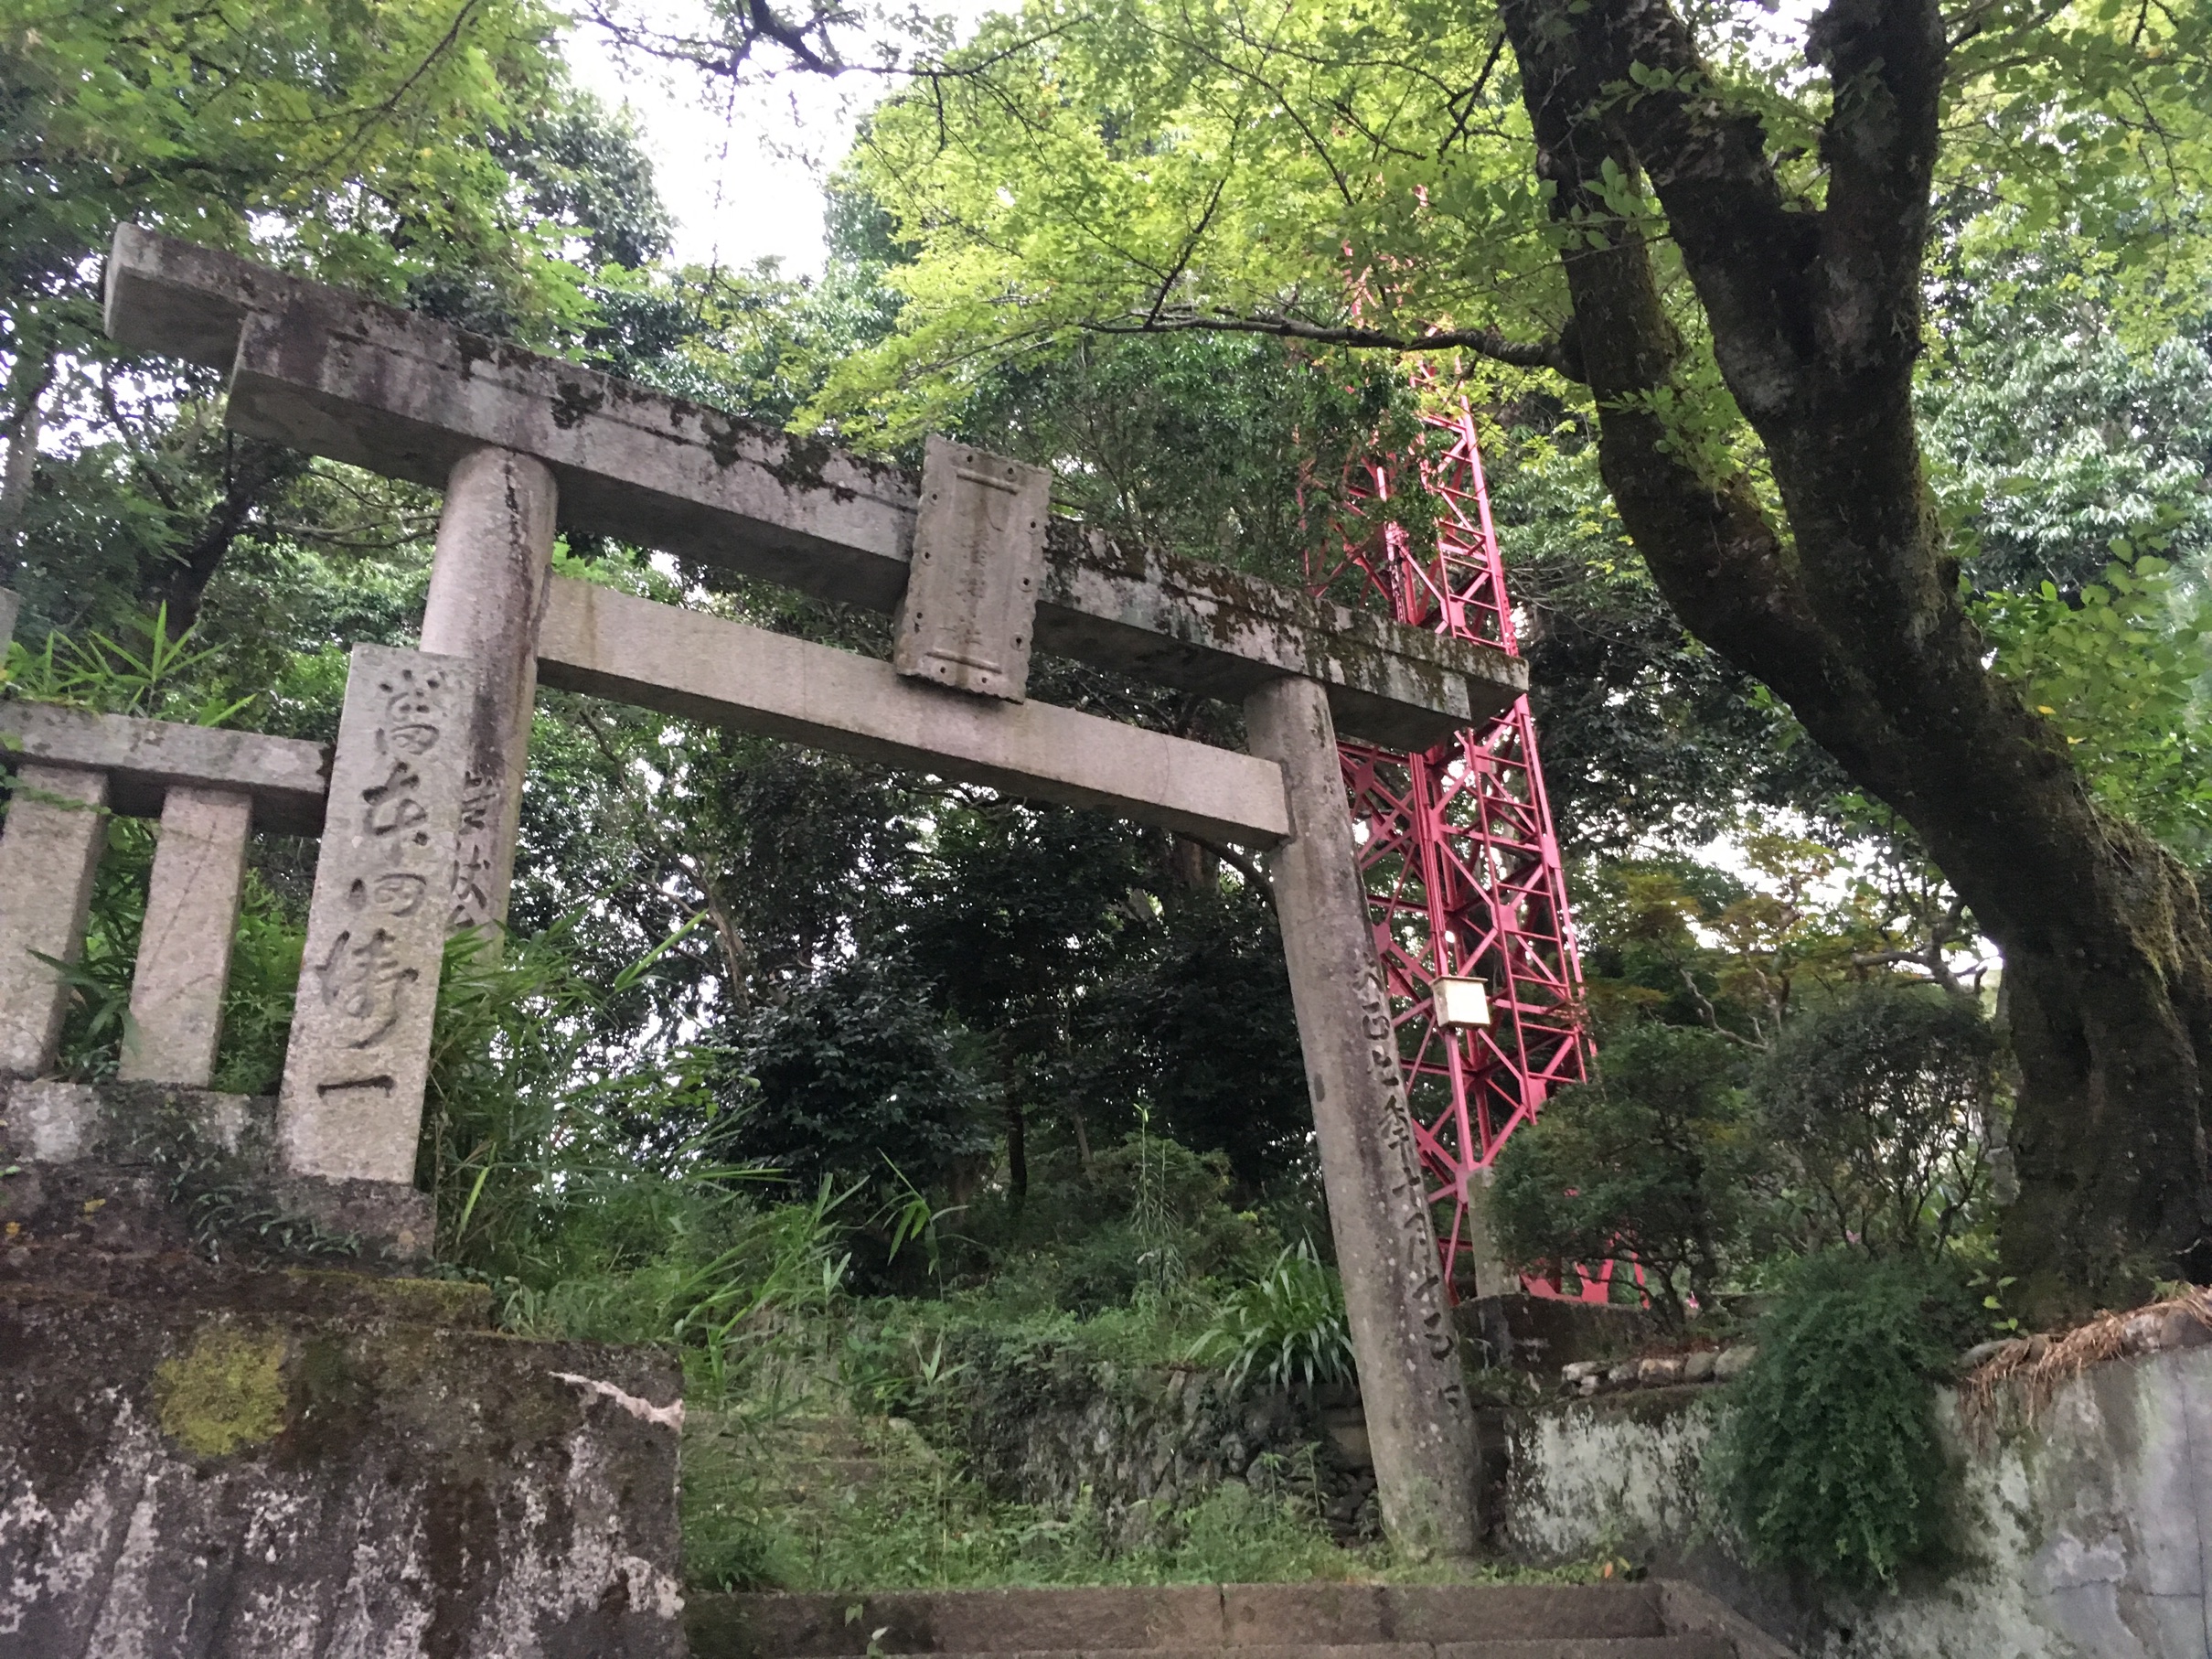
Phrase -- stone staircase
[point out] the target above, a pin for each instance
(1655, 1619)
(824, 1455)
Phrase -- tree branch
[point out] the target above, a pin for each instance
(1490, 343)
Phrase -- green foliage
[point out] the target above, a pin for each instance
(1649, 1162)
(2116, 666)
(358, 131)
(1288, 1325)
(1650, 740)
(1088, 1242)
(163, 679)
(920, 1524)
(784, 1262)
(530, 1135)
(850, 1077)
(1829, 1461)
(1223, 448)
(1793, 921)
(1879, 1109)
(2056, 438)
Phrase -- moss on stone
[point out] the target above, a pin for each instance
(452, 1304)
(226, 1392)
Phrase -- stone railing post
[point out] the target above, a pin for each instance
(1420, 1423)
(50, 853)
(184, 949)
(488, 584)
(352, 1104)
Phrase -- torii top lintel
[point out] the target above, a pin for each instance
(351, 378)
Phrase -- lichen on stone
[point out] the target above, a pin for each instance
(224, 1393)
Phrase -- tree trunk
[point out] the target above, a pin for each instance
(33, 374)
(1853, 613)
(253, 471)
(1017, 1137)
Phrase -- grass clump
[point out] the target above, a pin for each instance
(1288, 1325)
(756, 1516)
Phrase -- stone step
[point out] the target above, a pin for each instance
(1697, 1645)
(1242, 1620)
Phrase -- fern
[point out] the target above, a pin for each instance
(1829, 1462)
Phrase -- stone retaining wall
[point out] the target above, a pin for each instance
(1053, 1426)
(2084, 1533)
(252, 1455)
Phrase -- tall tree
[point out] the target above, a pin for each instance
(1718, 250)
(432, 154)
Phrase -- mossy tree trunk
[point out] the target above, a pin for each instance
(1848, 605)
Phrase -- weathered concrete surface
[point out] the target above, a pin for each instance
(108, 1167)
(704, 668)
(1541, 1333)
(1419, 1422)
(50, 853)
(145, 758)
(1220, 633)
(487, 595)
(345, 377)
(969, 613)
(184, 948)
(2086, 1534)
(351, 1106)
(224, 1476)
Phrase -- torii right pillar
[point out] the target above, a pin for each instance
(1420, 1423)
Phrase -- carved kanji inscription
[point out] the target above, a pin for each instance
(352, 1101)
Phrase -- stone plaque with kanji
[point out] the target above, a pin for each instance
(351, 1106)
(970, 611)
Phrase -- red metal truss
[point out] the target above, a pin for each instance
(1461, 863)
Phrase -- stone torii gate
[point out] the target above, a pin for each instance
(426, 782)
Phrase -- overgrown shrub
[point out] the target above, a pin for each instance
(1828, 1463)
(846, 1077)
(1652, 1161)
(1878, 1108)
(1087, 1240)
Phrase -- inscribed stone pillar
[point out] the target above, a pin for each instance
(1420, 1423)
(351, 1106)
(50, 853)
(184, 949)
(488, 584)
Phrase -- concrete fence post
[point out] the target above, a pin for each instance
(490, 580)
(1420, 1423)
(50, 853)
(352, 1104)
(184, 949)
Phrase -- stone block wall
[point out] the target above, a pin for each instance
(1046, 1427)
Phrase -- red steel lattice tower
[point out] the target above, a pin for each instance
(1462, 867)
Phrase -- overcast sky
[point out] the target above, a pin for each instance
(740, 168)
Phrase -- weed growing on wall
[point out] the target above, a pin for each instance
(1829, 1462)
(1287, 1326)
